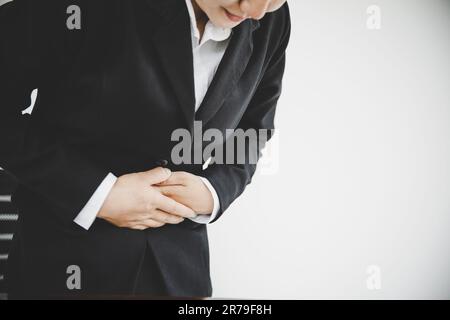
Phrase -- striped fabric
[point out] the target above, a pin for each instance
(8, 218)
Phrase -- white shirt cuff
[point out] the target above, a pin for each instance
(88, 214)
(204, 218)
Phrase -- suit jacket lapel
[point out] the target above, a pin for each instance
(229, 71)
(174, 45)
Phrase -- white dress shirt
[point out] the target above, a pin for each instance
(207, 53)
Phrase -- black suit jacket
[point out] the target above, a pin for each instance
(110, 95)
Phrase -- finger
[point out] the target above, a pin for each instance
(176, 178)
(136, 217)
(164, 217)
(175, 208)
(157, 175)
(172, 191)
(140, 227)
(145, 224)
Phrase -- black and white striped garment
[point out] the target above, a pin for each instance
(8, 218)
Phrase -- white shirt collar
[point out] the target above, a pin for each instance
(211, 32)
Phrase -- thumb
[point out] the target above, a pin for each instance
(157, 175)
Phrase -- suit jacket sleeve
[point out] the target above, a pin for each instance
(39, 160)
(230, 180)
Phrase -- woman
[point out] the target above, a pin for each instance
(104, 207)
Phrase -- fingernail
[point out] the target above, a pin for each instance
(168, 172)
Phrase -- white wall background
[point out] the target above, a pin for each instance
(364, 162)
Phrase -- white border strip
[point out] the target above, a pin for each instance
(4, 198)
(9, 217)
(6, 236)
